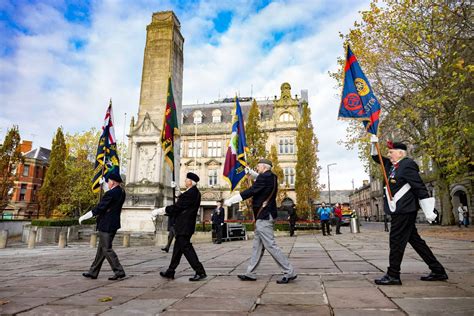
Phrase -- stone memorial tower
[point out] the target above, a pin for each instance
(148, 177)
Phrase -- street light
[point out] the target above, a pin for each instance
(329, 182)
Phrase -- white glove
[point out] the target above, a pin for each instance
(427, 205)
(251, 172)
(173, 184)
(85, 216)
(158, 211)
(374, 138)
(233, 199)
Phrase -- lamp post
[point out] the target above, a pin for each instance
(329, 182)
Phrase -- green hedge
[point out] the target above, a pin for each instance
(60, 222)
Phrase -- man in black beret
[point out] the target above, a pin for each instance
(264, 192)
(409, 194)
(108, 222)
(185, 213)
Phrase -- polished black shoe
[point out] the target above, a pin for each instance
(243, 277)
(117, 277)
(88, 275)
(198, 277)
(388, 280)
(165, 249)
(435, 277)
(167, 275)
(286, 280)
(338, 233)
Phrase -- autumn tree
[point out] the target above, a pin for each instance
(55, 182)
(278, 171)
(10, 156)
(421, 69)
(307, 170)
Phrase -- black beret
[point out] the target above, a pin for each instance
(114, 176)
(401, 146)
(192, 176)
(266, 161)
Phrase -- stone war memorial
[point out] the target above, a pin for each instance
(148, 177)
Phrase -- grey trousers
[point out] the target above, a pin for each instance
(105, 251)
(265, 240)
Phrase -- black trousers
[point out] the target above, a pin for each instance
(338, 225)
(105, 251)
(292, 227)
(171, 234)
(218, 228)
(403, 231)
(183, 246)
(325, 226)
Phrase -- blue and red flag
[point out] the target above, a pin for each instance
(235, 163)
(358, 100)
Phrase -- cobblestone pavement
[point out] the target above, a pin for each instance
(335, 277)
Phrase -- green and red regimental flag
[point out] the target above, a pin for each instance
(170, 127)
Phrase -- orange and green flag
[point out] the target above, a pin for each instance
(170, 127)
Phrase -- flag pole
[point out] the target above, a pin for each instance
(383, 172)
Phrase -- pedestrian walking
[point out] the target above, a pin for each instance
(264, 192)
(292, 218)
(185, 213)
(108, 222)
(409, 192)
(217, 219)
(338, 215)
(324, 214)
(462, 215)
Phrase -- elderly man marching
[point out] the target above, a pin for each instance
(184, 212)
(409, 194)
(264, 191)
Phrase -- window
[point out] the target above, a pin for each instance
(286, 145)
(197, 117)
(289, 174)
(286, 117)
(26, 170)
(22, 192)
(33, 196)
(212, 177)
(193, 150)
(214, 148)
(216, 116)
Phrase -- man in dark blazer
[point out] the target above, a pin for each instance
(409, 193)
(108, 222)
(217, 219)
(264, 192)
(185, 213)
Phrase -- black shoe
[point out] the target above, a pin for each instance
(243, 277)
(168, 274)
(338, 233)
(198, 277)
(286, 280)
(329, 234)
(165, 249)
(324, 234)
(117, 277)
(388, 280)
(435, 277)
(88, 275)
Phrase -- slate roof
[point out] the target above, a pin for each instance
(40, 153)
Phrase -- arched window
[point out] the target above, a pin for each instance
(286, 117)
(197, 115)
(216, 116)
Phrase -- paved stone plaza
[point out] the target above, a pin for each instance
(335, 276)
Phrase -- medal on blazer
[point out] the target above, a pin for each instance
(392, 180)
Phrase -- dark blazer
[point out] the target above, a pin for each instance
(218, 219)
(108, 210)
(185, 211)
(260, 191)
(406, 172)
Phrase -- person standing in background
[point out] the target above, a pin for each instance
(338, 214)
(217, 219)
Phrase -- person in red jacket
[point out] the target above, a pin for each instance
(338, 214)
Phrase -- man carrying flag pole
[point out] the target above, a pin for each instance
(410, 193)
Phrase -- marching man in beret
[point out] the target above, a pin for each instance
(185, 213)
(108, 222)
(264, 192)
(409, 194)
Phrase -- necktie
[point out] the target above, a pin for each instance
(392, 170)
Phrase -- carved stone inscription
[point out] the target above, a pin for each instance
(147, 159)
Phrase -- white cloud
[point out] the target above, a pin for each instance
(51, 84)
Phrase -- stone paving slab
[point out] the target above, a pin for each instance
(335, 277)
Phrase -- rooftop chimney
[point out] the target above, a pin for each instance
(26, 146)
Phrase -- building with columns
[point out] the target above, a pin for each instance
(206, 130)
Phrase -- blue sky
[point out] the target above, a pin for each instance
(61, 61)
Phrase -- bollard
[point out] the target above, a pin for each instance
(3, 238)
(93, 241)
(126, 240)
(62, 239)
(32, 239)
(355, 225)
